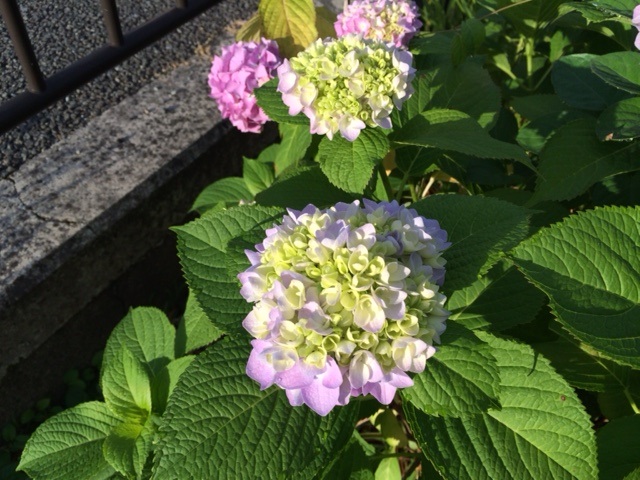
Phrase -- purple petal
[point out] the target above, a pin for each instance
(295, 397)
(258, 368)
(332, 377)
(320, 398)
(298, 376)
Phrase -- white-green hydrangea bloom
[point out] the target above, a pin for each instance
(346, 300)
(346, 84)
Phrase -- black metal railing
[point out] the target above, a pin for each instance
(43, 91)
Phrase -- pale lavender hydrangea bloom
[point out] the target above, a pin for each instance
(242, 67)
(636, 23)
(347, 84)
(346, 300)
(394, 21)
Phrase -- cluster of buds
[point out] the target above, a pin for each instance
(391, 21)
(235, 73)
(346, 84)
(347, 302)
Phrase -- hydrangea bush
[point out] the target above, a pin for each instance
(433, 273)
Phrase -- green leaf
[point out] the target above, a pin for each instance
(579, 87)
(300, 187)
(195, 330)
(353, 462)
(620, 69)
(527, 17)
(460, 379)
(601, 11)
(270, 100)
(202, 248)
(620, 121)
(498, 301)
(542, 430)
(619, 449)
(415, 160)
(219, 424)
(349, 165)
(585, 161)
(589, 268)
(479, 228)
(291, 23)
(534, 135)
(257, 175)
(325, 19)
(456, 131)
(533, 107)
(128, 446)
(295, 142)
(147, 333)
(137, 380)
(68, 446)
(469, 89)
(584, 370)
(227, 190)
(388, 469)
(166, 381)
(251, 30)
(417, 102)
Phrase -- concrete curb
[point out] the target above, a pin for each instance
(77, 216)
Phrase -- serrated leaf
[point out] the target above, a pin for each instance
(417, 102)
(270, 100)
(584, 161)
(460, 379)
(353, 462)
(293, 146)
(500, 300)
(532, 107)
(456, 131)
(68, 446)
(195, 330)
(542, 430)
(300, 187)
(219, 424)
(202, 249)
(349, 165)
(619, 449)
(585, 371)
(251, 30)
(589, 268)
(415, 160)
(469, 89)
(257, 175)
(599, 11)
(620, 121)
(534, 135)
(227, 190)
(480, 229)
(126, 387)
(147, 333)
(620, 69)
(137, 380)
(291, 23)
(579, 87)
(527, 17)
(166, 381)
(325, 20)
(128, 446)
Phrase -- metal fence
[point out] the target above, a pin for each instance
(43, 91)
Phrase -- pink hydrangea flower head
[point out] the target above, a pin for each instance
(636, 23)
(347, 84)
(347, 302)
(235, 73)
(394, 21)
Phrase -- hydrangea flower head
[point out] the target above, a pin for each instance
(346, 84)
(235, 73)
(636, 23)
(394, 21)
(347, 302)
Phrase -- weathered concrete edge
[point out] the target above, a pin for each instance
(59, 211)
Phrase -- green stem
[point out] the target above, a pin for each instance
(505, 8)
(411, 468)
(529, 51)
(385, 181)
(403, 183)
(632, 402)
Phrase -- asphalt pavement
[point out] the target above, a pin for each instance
(63, 31)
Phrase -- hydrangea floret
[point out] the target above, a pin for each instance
(636, 23)
(394, 21)
(346, 84)
(235, 73)
(347, 302)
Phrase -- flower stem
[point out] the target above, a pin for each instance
(385, 181)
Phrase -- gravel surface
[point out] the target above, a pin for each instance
(63, 31)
